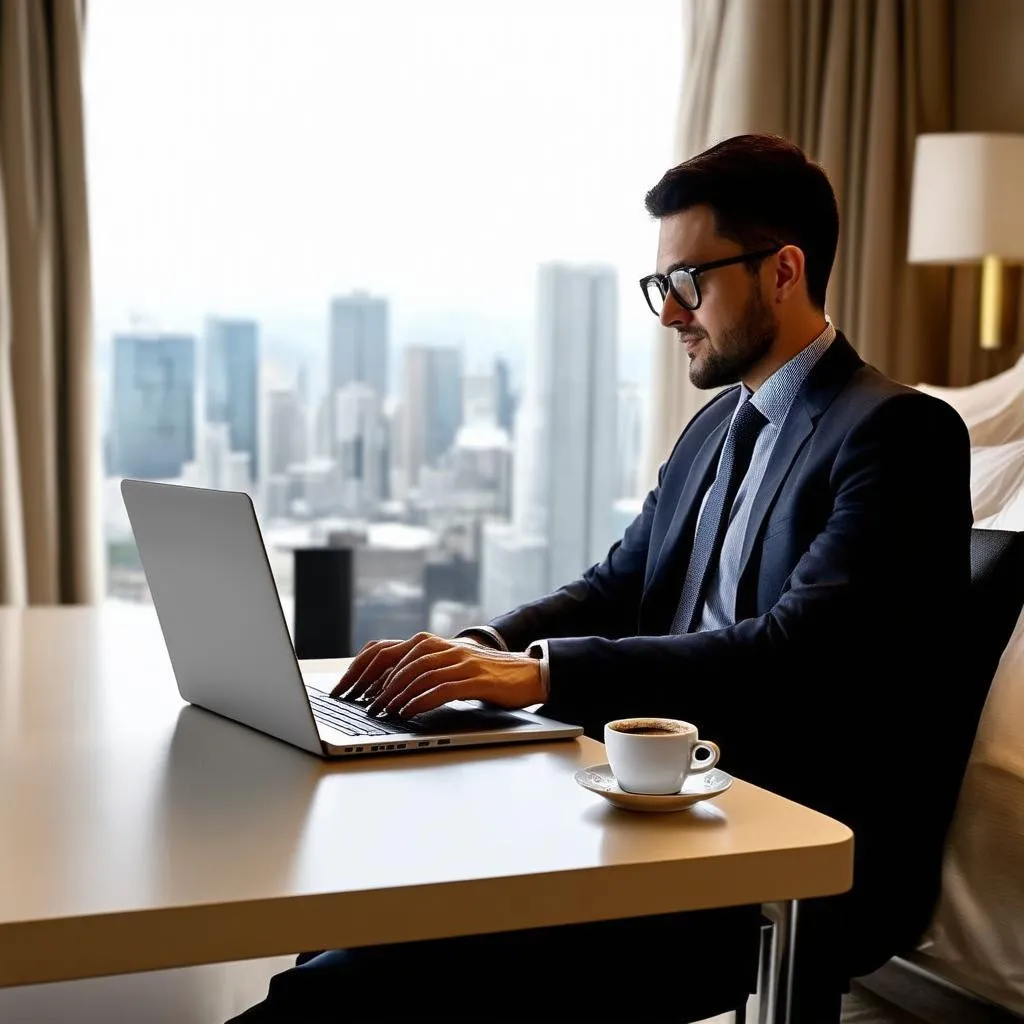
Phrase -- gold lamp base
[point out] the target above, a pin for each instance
(991, 302)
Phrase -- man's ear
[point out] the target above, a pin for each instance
(789, 271)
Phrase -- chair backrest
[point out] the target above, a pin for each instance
(995, 602)
(997, 596)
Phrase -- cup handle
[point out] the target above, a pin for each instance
(711, 751)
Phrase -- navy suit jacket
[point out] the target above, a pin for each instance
(836, 684)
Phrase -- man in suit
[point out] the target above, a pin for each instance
(793, 584)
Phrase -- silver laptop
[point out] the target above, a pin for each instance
(229, 645)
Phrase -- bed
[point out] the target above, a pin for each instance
(975, 944)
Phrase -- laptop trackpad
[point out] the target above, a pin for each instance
(462, 716)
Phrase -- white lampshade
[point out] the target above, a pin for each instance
(967, 199)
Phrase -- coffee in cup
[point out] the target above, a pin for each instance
(655, 755)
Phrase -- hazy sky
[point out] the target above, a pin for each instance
(250, 157)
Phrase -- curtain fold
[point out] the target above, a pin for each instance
(49, 455)
(852, 82)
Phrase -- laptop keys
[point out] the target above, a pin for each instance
(351, 719)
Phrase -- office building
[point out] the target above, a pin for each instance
(286, 430)
(432, 406)
(286, 446)
(474, 476)
(358, 345)
(152, 419)
(513, 569)
(506, 400)
(390, 561)
(480, 399)
(231, 383)
(217, 464)
(361, 447)
(566, 435)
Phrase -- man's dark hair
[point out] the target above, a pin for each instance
(762, 189)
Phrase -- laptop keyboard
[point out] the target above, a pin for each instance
(350, 717)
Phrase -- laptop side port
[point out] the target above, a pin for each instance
(441, 743)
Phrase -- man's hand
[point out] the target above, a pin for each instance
(408, 677)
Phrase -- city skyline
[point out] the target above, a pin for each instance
(455, 460)
(228, 365)
(257, 181)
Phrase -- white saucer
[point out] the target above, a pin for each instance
(699, 786)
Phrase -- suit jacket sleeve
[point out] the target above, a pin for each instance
(886, 574)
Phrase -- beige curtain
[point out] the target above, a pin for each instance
(852, 82)
(49, 462)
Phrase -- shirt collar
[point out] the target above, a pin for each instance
(774, 397)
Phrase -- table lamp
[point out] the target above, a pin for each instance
(967, 206)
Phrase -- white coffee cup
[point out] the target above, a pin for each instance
(655, 755)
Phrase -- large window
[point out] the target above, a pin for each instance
(376, 264)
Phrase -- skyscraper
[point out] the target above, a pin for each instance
(217, 463)
(286, 447)
(480, 399)
(286, 430)
(505, 398)
(361, 444)
(574, 381)
(565, 444)
(232, 383)
(513, 569)
(432, 409)
(358, 348)
(152, 422)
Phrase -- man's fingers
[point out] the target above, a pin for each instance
(375, 686)
(368, 664)
(372, 662)
(434, 697)
(435, 679)
(412, 667)
(356, 666)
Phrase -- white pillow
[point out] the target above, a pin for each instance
(1009, 517)
(993, 409)
(997, 477)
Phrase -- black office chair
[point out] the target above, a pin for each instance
(996, 601)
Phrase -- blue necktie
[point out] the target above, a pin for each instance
(707, 543)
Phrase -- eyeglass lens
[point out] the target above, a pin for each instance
(684, 284)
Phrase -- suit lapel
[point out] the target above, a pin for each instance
(796, 429)
(675, 548)
(825, 380)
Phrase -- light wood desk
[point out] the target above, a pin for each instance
(137, 832)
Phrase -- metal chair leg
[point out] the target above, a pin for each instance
(776, 963)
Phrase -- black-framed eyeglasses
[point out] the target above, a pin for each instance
(683, 284)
